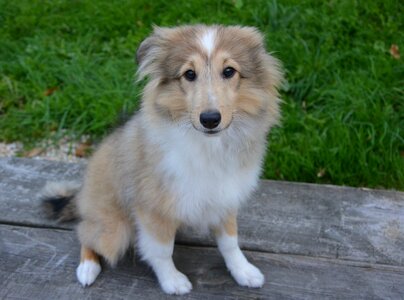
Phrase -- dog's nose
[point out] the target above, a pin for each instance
(210, 119)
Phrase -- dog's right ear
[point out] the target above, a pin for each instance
(145, 46)
(145, 56)
(151, 52)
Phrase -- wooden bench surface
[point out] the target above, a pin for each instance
(311, 242)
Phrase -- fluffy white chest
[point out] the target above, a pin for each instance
(206, 178)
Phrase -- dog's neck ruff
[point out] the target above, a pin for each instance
(208, 176)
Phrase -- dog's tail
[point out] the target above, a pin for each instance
(59, 200)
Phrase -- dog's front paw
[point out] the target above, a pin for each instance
(87, 272)
(248, 275)
(177, 283)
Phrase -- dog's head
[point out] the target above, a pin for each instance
(209, 75)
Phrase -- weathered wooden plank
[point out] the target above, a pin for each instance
(283, 217)
(20, 182)
(40, 264)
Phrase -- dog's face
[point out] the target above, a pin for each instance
(208, 75)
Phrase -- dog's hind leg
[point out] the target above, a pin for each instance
(106, 235)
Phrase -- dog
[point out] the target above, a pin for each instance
(190, 156)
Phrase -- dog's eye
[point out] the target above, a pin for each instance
(190, 75)
(228, 72)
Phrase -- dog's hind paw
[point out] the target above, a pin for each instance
(87, 272)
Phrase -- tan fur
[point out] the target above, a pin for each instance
(107, 208)
(229, 226)
(122, 185)
(160, 226)
(177, 50)
(105, 226)
(88, 254)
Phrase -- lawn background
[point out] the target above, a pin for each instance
(67, 67)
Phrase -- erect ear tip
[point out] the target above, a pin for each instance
(159, 33)
(143, 49)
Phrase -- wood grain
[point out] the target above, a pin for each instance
(40, 263)
(282, 217)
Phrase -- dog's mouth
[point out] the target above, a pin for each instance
(209, 132)
(212, 132)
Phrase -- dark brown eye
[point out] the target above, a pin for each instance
(228, 72)
(190, 75)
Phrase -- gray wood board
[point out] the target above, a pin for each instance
(39, 263)
(282, 217)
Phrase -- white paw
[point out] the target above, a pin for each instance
(177, 283)
(87, 272)
(248, 275)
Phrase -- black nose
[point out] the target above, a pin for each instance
(210, 119)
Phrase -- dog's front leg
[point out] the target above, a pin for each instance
(156, 244)
(242, 271)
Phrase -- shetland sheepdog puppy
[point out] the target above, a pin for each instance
(191, 155)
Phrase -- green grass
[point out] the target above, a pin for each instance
(343, 110)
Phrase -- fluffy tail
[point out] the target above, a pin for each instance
(59, 200)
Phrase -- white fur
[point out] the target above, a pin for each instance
(242, 271)
(208, 40)
(159, 256)
(204, 175)
(87, 272)
(212, 97)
